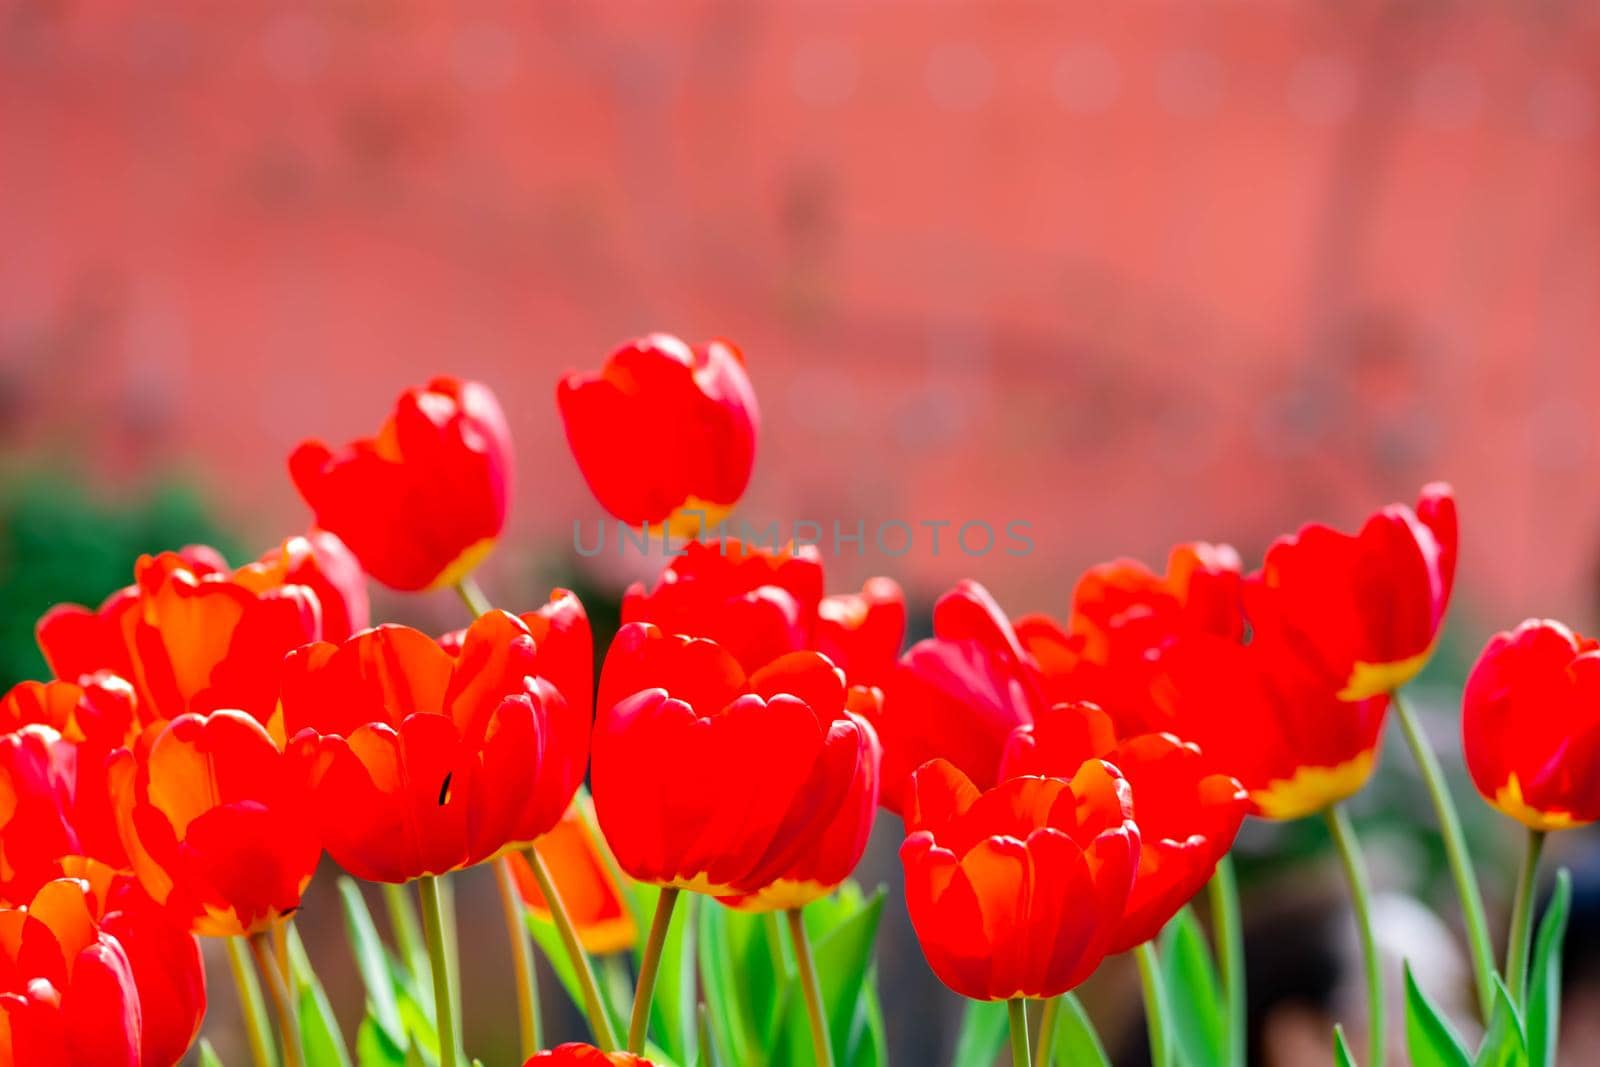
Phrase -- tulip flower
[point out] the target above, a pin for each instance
(581, 868)
(1369, 605)
(54, 804)
(98, 709)
(422, 502)
(560, 630)
(746, 787)
(959, 694)
(189, 634)
(574, 1054)
(1268, 716)
(1018, 891)
(217, 822)
(664, 433)
(759, 604)
(424, 762)
(320, 562)
(1530, 725)
(1187, 816)
(67, 991)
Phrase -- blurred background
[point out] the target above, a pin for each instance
(1130, 274)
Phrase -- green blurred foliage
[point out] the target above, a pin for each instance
(62, 542)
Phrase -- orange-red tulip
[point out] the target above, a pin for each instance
(1187, 816)
(576, 1055)
(67, 991)
(959, 694)
(1369, 605)
(759, 604)
(97, 709)
(422, 502)
(581, 869)
(1018, 891)
(745, 787)
(189, 634)
(1530, 725)
(426, 762)
(663, 430)
(321, 562)
(217, 822)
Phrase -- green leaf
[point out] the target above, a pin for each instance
(1430, 1039)
(1194, 993)
(548, 938)
(843, 956)
(1076, 1043)
(374, 1047)
(742, 984)
(319, 1030)
(984, 1028)
(1341, 1049)
(372, 961)
(208, 1055)
(1544, 979)
(1506, 1043)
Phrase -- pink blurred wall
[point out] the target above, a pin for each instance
(1131, 272)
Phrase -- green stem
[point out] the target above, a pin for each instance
(1020, 1055)
(521, 957)
(1522, 919)
(1229, 928)
(1455, 847)
(1047, 1030)
(251, 1006)
(649, 964)
(1355, 872)
(281, 996)
(1155, 1004)
(472, 596)
(593, 1006)
(821, 1044)
(433, 924)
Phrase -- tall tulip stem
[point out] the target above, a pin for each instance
(251, 1006)
(593, 1006)
(1155, 1005)
(527, 978)
(438, 953)
(649, 964)
(1020, 1054)
(280, 994)
(1355, 872)
(1455, 848)
(821, 1044)
(1522, 919)
(1229, 927)
(1047, 1030)
(473, 597)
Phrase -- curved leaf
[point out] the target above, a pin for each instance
(1430, 1040)
(1544, 980)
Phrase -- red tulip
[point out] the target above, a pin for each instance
(320, 562)
(217, 822)
(1018, 891)
(190, 635)
(67, 992)
(576, 1055)
(565, 642)
(1369, 606)
(426, 762)
(959, 694)
(1530, 725)
(1268, 716)
(745, 787)
(664, 430)
(759, 604)
(581, 869)
(54, 804)
(1187, 817)
(423, 502)
(98, 709)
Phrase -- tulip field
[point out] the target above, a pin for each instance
(1067, 789)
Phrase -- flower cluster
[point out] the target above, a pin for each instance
(1066, 786)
